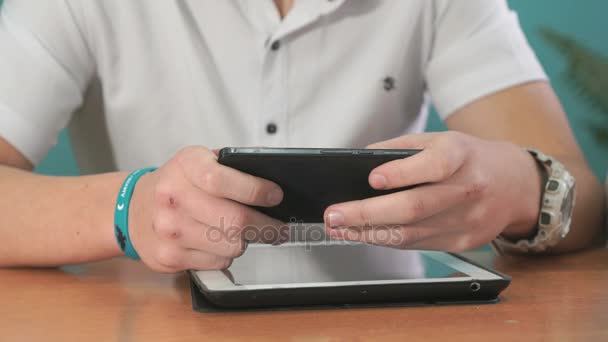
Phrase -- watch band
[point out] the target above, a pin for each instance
(557, 205)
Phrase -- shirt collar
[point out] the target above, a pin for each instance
(264, 17)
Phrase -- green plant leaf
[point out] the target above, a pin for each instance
(587, 70)
(599, 133)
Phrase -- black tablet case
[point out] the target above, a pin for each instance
(201, 304)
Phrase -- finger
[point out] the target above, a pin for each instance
(444, 231)
(273, 235)
(192, 234)
(411, 141)
(431, 165)
(221, 215)
(220, 212)
(197, 260)
(223, 181)
(237, 221)
(215, 241)
(205, 173)
(455, 232)
(452, 242)
(404, 207)
(171, 258)
(459, 232)
(402, 237)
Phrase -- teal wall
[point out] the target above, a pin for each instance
(60, 160)
(583, 20)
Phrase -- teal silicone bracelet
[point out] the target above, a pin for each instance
(121, 213)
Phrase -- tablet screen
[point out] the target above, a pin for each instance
(338, 264)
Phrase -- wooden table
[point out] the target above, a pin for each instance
(550, 299)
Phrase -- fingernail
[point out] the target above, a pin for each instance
(283, 239)
(334, 234)
(335, 219)
(279, 241)
(275, 197)
(378, 181)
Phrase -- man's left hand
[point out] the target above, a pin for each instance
(468, 191)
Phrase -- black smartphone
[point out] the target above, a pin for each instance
(312, 178)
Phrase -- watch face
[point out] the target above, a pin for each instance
(567, 204)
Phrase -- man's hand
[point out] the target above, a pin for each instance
(468, 192)
(192, 213)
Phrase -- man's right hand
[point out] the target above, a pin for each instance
(192, 213)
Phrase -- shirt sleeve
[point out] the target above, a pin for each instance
(45, 67)
(478, 49)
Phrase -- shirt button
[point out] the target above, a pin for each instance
(276, 45)
(389, 83)
(271, 128)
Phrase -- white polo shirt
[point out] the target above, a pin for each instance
(144, 78)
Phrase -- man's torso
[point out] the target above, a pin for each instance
(217, 73)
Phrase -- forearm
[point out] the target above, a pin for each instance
(587, 226)
(530, 115)
(587, 221)
(50, 221)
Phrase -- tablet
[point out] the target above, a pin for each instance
(335, 272)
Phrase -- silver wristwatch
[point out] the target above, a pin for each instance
(556, 211)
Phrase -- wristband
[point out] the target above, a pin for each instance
(121, 213)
